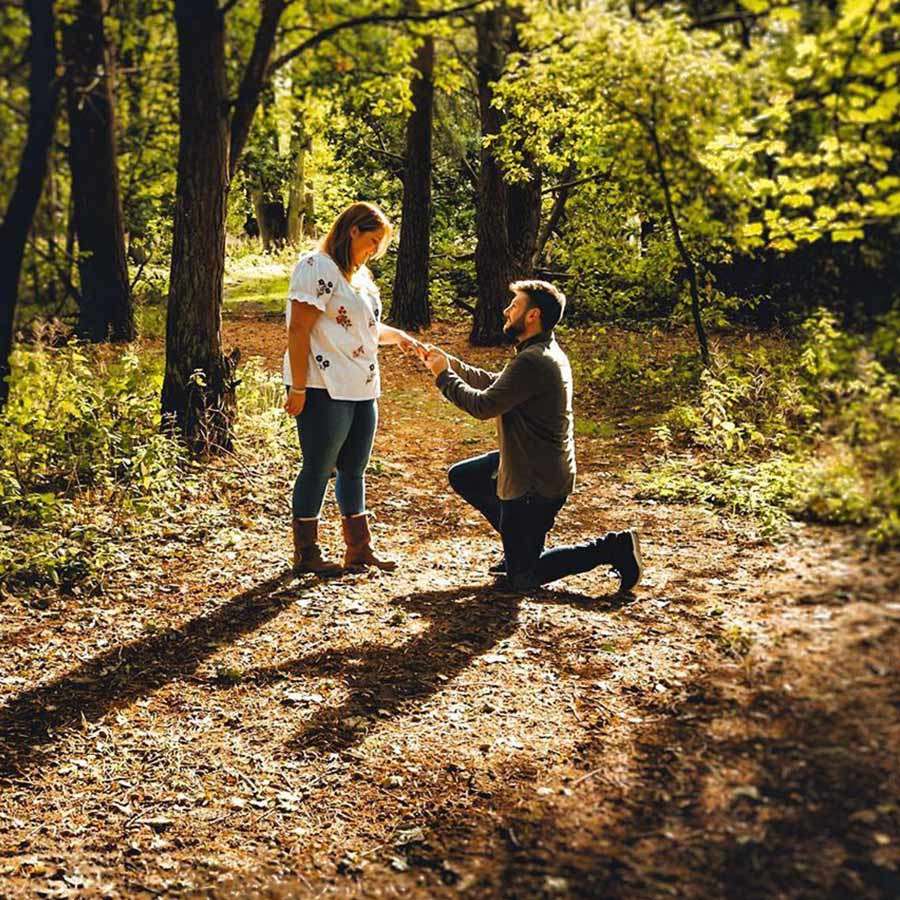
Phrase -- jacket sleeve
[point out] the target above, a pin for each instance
(472, 376)
(514, 385)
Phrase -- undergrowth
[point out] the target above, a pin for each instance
(812, 432)
(85, 469)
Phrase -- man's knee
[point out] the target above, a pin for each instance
(456, 477)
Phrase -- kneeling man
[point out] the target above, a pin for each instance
(521, 488)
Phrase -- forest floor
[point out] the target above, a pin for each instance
(210, 726)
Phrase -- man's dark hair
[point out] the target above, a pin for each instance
(548, 299)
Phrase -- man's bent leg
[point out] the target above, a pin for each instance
(475, 480)
(620, 550)
(524, 526)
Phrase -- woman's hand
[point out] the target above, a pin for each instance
(387, 334)
(410, 345)
(295, 402)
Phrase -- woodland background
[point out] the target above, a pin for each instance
(714, 184)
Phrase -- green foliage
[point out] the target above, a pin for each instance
(812, 432)
(84, 466)
(820, 156)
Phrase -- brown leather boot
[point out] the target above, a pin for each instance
(359, 545)
(307, 555)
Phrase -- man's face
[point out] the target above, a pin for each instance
(514, 323)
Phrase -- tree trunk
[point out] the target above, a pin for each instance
(410, 307)
(254, 79)
(493, 259)
(679, 245)
(106, 310)
(271, 220)
(523, 220)
(523, 198)
(198, 390)
(42, 93)
(296, 219)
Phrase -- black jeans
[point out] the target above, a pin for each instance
(523, 524)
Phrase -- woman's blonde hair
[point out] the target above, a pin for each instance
(366, 217)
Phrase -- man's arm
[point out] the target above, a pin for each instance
(471, 375)
(514, 385)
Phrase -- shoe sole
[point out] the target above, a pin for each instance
(636, 546)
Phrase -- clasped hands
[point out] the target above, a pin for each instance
(433, 358)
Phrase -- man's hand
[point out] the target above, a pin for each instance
(295, 402)
(436, 360)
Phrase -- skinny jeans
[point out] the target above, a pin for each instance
(335, 439)
(523, 524)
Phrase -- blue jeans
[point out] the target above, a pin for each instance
(523, 524)
(334, 435)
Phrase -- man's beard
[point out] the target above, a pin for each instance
(514, 328)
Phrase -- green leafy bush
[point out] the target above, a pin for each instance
(813, 432)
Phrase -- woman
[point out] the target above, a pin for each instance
(332, 378)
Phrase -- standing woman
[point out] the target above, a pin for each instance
(331, 372)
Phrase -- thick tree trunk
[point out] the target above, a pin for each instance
(43, 91)
(523, 210)
(523, 220)
(106, 309)
(198, 390)
(493, 259)
(410, 307)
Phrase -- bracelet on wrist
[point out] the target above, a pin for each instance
(298, 390)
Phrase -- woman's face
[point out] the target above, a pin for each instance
(363, 244)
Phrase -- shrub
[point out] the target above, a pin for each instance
(814, 433)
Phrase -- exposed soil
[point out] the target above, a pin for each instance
(211, 726)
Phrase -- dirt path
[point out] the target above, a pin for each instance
(212, 727)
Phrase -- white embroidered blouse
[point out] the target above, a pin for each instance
(343, 343)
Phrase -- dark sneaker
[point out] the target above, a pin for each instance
(627, 559)
(498, 568)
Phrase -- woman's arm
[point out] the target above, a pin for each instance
(387, 334)
(303, 317)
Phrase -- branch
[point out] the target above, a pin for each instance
(374, 19)
(252, 82)
(570, 184)
(463, 305)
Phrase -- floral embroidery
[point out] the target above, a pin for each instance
(371, 377)
(325, 287)
(359, 351)
(323, 363)
(343, 319)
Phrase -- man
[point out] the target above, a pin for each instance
(521, 488)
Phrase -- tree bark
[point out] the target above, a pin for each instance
(43, 91)
(493, 258)
(411, 307)
(106, 310)
(523, 220)
(523, 212)
(198, 390)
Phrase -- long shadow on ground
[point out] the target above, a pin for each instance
(781, 795)
(119, 676)
(389, 680)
